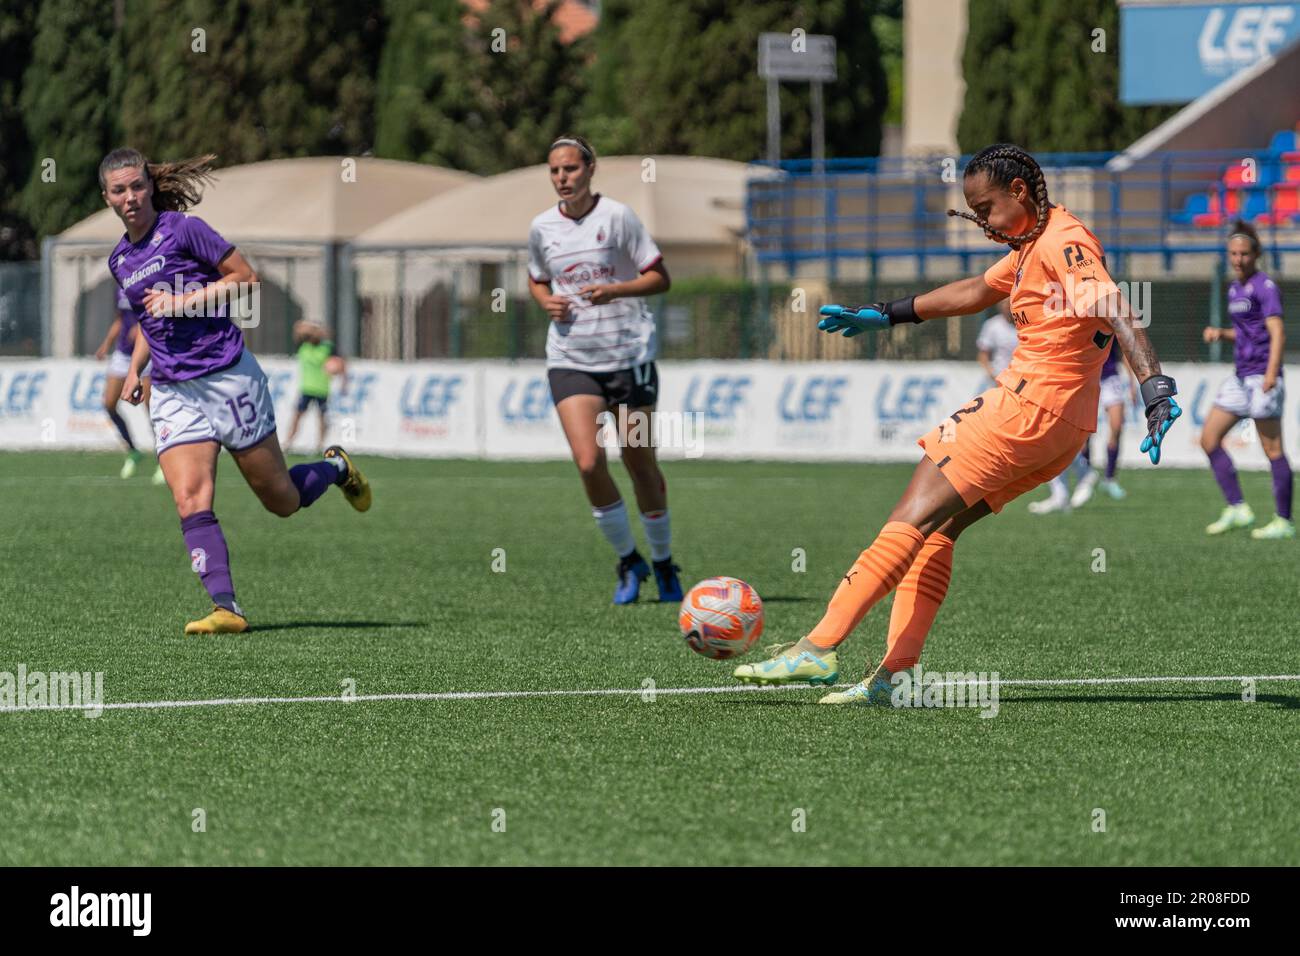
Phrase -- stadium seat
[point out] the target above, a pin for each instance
(1197, 204)
(1256, 204)
(1285, 205)
(1284, 141)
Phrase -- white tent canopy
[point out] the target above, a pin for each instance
(285, 214)
(318, 199)
(682, 200)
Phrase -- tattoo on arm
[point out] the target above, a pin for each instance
(1131, 338)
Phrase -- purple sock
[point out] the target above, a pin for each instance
(1282, 485)
(1086, 453)
(1226, 475)
(120, 424)
(208, 555)
(1112, 459)
(313, 480)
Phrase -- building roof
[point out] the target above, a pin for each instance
(687, 200)
(307, 199)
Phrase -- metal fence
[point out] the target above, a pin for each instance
(20, 308)
(865, 216)
(740, 320)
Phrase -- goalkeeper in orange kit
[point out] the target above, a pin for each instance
(1006, 441)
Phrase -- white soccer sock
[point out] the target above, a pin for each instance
(1059, 488)
(659, 533)
(613, 524)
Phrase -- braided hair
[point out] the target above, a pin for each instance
(177, 186)
(1003, 163)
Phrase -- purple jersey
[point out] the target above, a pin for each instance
(1249, 304)
(1111, 365)
(129, 320)
(185, 249)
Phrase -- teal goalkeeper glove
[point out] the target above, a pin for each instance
(1162, 411)
(852, 321)
(878, 315)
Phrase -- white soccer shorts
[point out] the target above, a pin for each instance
(1246, 398)
(232, 407)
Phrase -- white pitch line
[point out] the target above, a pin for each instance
(613, 692)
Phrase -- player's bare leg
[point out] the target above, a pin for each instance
(293, 429)
(284, 490)
(1269, 431)
(264, 468)
(636, 441)
(1237, 514)
(578, 416)
(324, 429)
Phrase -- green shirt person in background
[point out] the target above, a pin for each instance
(316, 364)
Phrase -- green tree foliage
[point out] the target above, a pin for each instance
(249, 79)
(17, 26)
(419, 66)
(66, 113)
(604, 120)
(489, 97)
(686, 78)
(1013, 96)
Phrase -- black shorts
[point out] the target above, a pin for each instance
(305, 401)
(637, 386)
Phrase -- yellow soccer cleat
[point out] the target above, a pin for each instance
(785, 666)
(355, 487)
(1233, 517)
(220, 621)
(871, 692)
(1276, 529)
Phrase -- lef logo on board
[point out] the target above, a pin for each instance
(717, 397)
(524, 401)
(1236, 37)
(19, 393)
(814, 399)
(430, 396)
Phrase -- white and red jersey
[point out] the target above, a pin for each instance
(607, 245)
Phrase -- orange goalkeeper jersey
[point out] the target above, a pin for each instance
(1054, 282)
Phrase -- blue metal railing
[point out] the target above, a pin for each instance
(870, 209)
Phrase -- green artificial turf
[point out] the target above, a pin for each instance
(405, 599)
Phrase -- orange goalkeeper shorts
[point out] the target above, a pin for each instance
(999, 446)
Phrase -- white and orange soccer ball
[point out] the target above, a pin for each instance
(721, 618)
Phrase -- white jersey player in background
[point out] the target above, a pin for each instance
(996, 342)
(590, 264)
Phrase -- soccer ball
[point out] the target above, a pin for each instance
(721, 618)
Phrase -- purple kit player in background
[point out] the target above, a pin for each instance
(1255, 390)
(208, 390)
(1115, 393)
(117, 347)
(1118, 389)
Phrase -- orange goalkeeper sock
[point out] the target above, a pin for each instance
(917, 602)
(876, 572)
